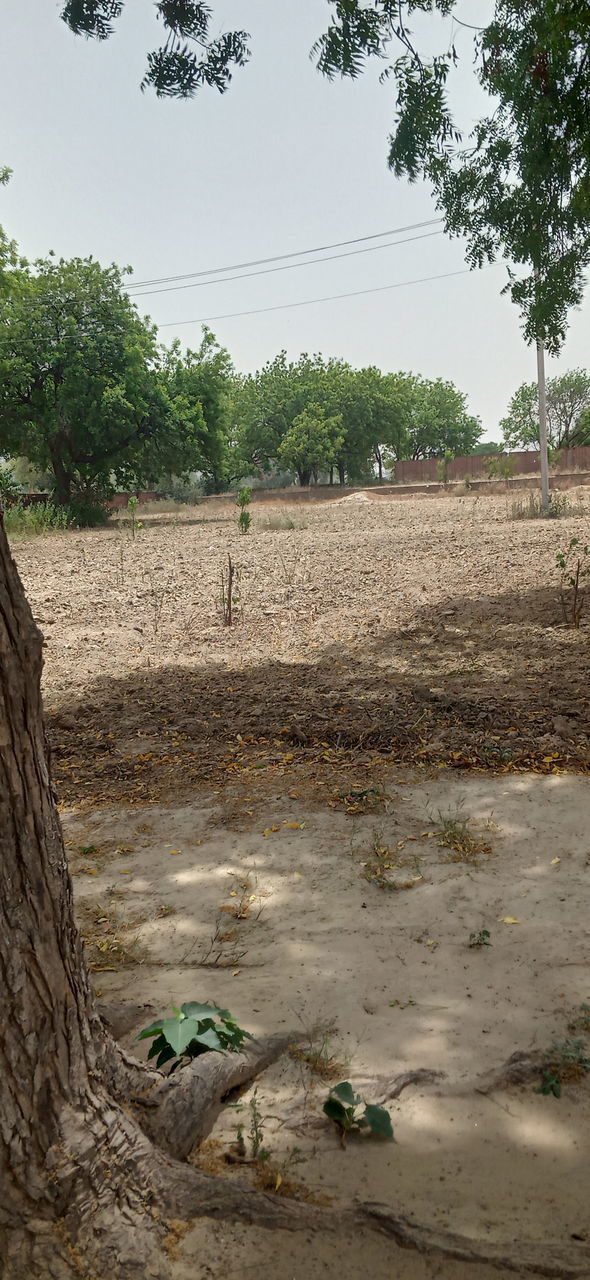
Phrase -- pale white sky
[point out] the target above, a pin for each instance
(284, 161)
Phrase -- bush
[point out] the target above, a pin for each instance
(531, 508)
(188, 492)
(39, 517)
(49, 517)
(500, 468)
(87, 513)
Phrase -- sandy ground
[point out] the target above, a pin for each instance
(254, 816)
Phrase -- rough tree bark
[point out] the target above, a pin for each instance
(92, 1142)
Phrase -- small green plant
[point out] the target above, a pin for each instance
(581, 1021)
(550, 1083)
(192, 1030)
(256, 1133)
(317, 1054)
(574, 564)
(480, 939)
(365, 801)
(442, 468)
(454, 833)
(136, 524)
(343, 1107)
(567, 1061)
(531, 508)
(500, 467)
(243, 500)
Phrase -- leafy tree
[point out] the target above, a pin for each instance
(438, 422)
(270, 400)
(485, 448)
(82, 393)
(203, 380)
(311, 443)
(520, 186)
(372, 408)
(567, 398)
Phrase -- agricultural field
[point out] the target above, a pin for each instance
(360, 812)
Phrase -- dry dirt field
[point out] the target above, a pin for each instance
(305, 817)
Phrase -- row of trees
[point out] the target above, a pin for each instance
(89, 397)
(315, 415)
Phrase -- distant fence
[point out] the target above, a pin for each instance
(423, 470)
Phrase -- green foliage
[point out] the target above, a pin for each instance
(82, 391)
(192, 1030)
(568, 416)
(189, 58)
(568, 1060)
(343, 1107)
(500, 467)
(517, 190)
(136, 524)
(438, 423)
(203, 381)
(480, 939)
(574, 564)
(356, 418)
(311, 444)
(38, 517)
(243, 500)
(531, 508)
(9, 486)
(486, 448)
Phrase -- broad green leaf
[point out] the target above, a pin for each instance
(179, 1034)
(195, 1010)
(346, 1094)
(337, 1112)
(166, 1055)
(159, 1044)
(209, 1039)
(379, 1121)
(153, 1029)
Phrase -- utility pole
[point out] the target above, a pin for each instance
(543, 451)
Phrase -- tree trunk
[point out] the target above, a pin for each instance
(342, 473)
(304, 476)
(379, 461)
(80, 1178)
(63, 477)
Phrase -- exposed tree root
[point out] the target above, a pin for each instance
(182, 1110)
(212, 1197)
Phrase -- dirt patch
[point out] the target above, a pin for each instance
(430, 632)
(310, 817)
(397, 974)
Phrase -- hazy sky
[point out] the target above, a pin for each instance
(284, 161)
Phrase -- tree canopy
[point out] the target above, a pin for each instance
(567, 398)
(203, 379)
(83, 393)
(382, 417)
(438, 422)
(517, 185)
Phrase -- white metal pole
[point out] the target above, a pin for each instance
(544, 457)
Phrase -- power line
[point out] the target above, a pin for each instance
(281, 257)
(286, 306)
(288, 266)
